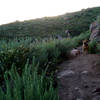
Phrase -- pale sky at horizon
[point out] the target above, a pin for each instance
(12, 10)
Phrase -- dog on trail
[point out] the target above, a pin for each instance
(85, 47)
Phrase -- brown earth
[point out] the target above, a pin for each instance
(79, 78)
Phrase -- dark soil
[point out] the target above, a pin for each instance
(79, 78)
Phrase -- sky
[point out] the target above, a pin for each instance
(12, 10)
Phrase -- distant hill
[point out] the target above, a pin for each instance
(76, 23)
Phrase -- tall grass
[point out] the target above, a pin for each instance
(28, 86)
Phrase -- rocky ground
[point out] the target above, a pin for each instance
(79, 78)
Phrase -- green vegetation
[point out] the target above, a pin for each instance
(28, 62)
(98, 20)
(45, 53)
(93, 47)
(31, 78)
(28, 86)
(76, 23)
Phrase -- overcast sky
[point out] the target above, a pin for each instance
(12, 10)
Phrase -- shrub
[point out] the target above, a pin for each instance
(93, 47)
(98, 48)
(46, 53)
(98, 20)
(78, 40)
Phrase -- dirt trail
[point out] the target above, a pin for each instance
(79, 78)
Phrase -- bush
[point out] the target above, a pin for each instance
(78, 40)
(98, 20)
(93, 47)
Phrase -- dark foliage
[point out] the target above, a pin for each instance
(76, 23)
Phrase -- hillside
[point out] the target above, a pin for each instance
(27, 66)
(76, 23)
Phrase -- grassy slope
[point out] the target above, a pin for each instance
(76, 22)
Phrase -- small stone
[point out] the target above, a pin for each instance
(84, 72)
(97, 90)
(66, 73)
(76, 88)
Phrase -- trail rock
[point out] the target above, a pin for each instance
(95, 31)
(66, 73)
(97, 90)
(84, 72)
(76, 88)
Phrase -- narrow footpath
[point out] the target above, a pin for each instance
(79, 78)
